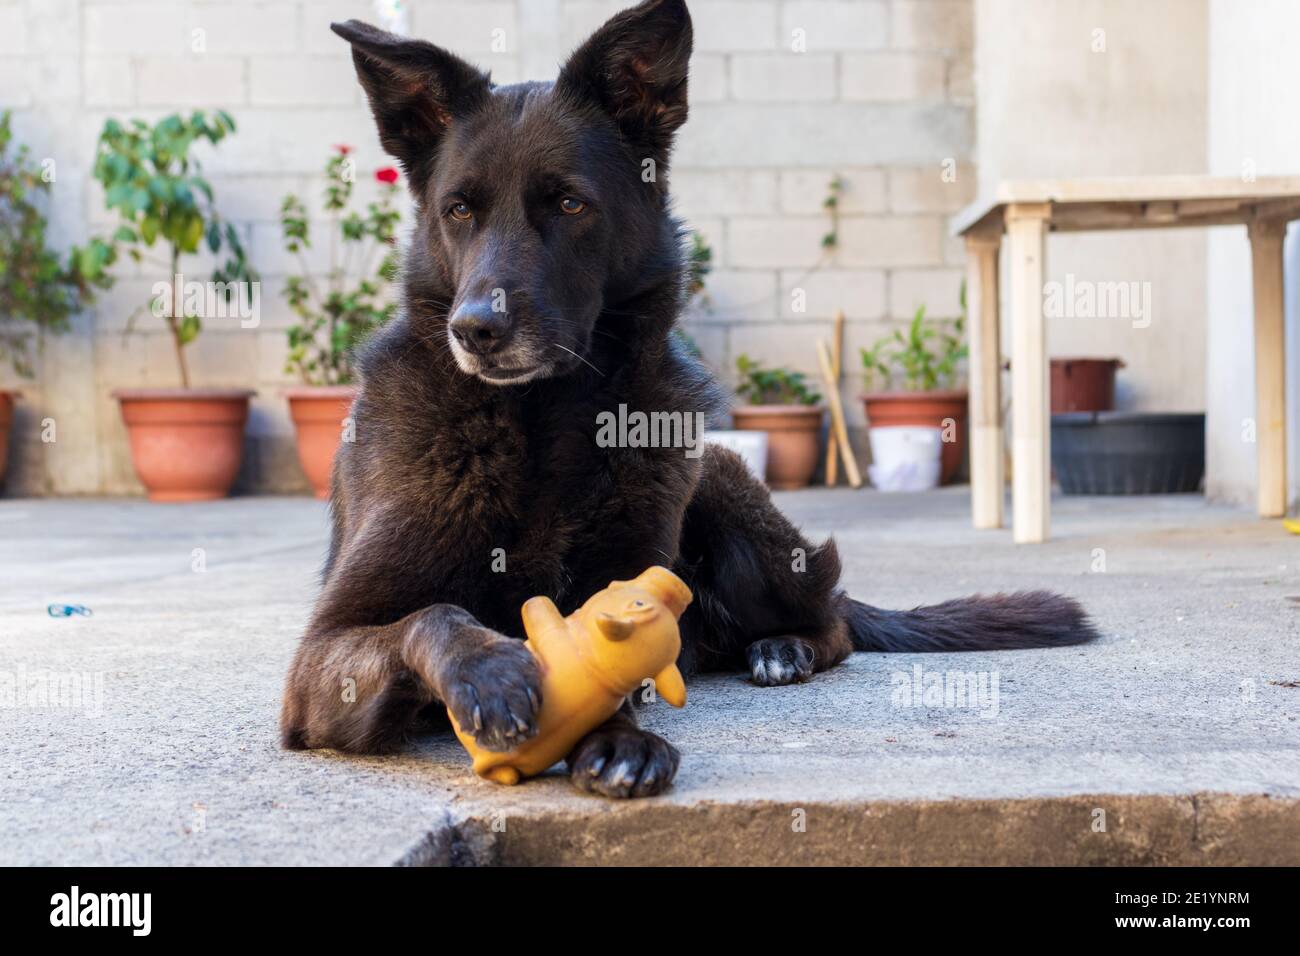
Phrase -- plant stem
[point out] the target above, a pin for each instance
(173, 321)
(337, 286)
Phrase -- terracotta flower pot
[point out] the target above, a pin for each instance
(186, 443)
(7, 400)
(793, 439)
(924, 408)
(318, 412)
(1084, 384)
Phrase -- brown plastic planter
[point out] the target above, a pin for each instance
(186, 443)
(7, 400)
(929, 409)
(318, 413)
(793, 439)
(1083, 384)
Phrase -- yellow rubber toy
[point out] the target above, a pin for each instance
(590, 661)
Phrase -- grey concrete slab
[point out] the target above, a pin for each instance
(1178, 724)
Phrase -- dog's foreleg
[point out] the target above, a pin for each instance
(357, 689)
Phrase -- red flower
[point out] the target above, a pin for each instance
(386, 175)
(342, 148)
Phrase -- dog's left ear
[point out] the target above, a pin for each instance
(416, 91)
(635, 67)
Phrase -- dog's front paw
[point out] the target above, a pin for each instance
(620, 760)
(496, 694)
(774, 661)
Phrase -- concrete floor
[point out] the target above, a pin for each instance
(1173, 740)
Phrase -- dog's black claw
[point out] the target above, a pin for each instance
(775, 661)
(496, 695)
(621, 761)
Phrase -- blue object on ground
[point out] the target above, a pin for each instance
(67, 610)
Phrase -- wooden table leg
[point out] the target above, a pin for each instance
(987, 478)
(1266, 236)
(1030, 397)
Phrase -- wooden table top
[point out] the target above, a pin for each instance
(1137, 202)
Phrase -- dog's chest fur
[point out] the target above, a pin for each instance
(504, 493)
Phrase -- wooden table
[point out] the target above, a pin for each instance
(1026, 211)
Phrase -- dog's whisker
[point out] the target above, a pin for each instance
(579, 358)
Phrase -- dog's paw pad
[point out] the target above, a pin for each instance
(775, 661)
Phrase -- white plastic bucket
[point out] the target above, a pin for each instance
(905, 457)
(749, 445)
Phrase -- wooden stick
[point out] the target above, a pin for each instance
(837, 349)
(840, 430)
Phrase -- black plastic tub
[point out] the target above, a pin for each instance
(1128, 453)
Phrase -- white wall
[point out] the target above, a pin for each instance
(1254, 98)
(1050, 105)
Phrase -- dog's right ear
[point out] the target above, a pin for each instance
(416, 91)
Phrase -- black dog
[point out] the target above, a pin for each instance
(543, 281)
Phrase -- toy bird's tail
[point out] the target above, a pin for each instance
(993, 622)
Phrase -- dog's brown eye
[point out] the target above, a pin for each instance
(571, 207)
(461, 211)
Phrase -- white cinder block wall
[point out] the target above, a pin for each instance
(1106, 88)
(1254, 79)
(785, 94)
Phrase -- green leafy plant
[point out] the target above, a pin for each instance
(773, 386)
(924, 358)
(37, 285)
(699, 265)
(339, 310)
(831, 204)
(154, 184)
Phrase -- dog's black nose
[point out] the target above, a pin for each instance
(478, 328)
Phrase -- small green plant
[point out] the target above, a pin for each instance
(831, 204)
(924, 358)
(699, 265)
(155, 185)
(342, 311)
(773, 386)
(37, 286)
(699, 262)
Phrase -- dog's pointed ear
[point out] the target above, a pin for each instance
(635, 67)
(416, 91)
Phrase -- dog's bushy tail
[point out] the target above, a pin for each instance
(984, 622)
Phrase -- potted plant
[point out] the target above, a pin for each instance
(1083, 384)
(917, 371)
(186, 443)
(783, 405)
(337, 311)
(39, 291)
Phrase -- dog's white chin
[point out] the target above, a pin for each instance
(470, 365)
(525, 375)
